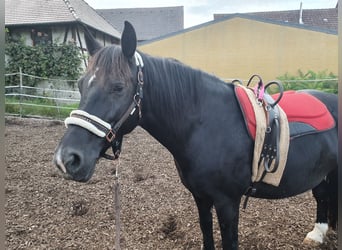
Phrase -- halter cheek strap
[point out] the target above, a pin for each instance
(138, 60)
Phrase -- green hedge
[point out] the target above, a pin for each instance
(310, 80)
(50, 61)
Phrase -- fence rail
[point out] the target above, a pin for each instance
(56, 97)
(51, 98)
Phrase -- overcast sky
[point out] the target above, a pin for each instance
(201, 11)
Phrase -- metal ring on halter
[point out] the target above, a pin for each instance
(140, 77)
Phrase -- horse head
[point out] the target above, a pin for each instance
(111, 90)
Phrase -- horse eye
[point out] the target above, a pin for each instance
(117, 87)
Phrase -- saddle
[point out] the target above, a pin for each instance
(297, 112)
(305, 113)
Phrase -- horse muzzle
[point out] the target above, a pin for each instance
(72, 164)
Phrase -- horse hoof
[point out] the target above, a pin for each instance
(310, 242)
(317, 235)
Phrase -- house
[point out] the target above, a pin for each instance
(148, 22)
(240, 45)
(60, 21)
(316, 18)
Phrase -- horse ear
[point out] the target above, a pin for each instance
(92, 45)
(128, 40)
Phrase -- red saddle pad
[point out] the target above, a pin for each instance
(298, 106)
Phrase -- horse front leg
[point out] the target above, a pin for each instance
(204, 207)
(228, 216)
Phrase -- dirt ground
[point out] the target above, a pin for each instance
(44, 211)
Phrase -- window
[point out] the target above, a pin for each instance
(41, 36)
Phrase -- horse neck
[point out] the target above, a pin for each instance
(173, 96)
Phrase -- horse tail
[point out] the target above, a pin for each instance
(332, 180)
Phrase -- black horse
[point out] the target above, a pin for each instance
(197, 117)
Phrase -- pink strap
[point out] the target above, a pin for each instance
(259, 91)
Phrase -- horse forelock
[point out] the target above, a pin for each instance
(108, 63)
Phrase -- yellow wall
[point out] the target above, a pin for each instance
(240, 47)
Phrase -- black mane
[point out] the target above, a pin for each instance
(177, 86)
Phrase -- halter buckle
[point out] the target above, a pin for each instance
(140, 77)
(110, 136)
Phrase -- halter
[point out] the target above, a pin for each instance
(103, 129)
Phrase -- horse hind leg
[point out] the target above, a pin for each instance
(333, 200)
(326, 197)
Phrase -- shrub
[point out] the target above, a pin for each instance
(310, 80)
(51, 60)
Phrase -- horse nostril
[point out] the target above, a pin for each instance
(72, 159)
